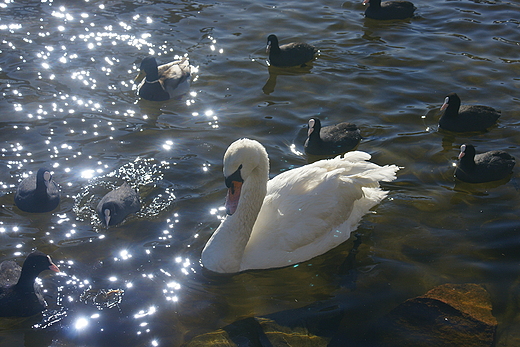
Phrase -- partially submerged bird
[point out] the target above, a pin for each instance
(18, 295)
(397, 9)
(466, 118)
(117, 204)
(38, 193)
(291, 54)
(484, 167)
(297, 215)
(332, 139)
(163, 82)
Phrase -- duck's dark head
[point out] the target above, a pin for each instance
(148, 67)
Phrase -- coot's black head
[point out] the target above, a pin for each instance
(109, 213)
(272, 42)
(373, 3)
(43, 177)
(314, 126)
(37, 262)
(467, 152)
(451, 102)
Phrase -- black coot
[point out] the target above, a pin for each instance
(18, 296)
(332, 139)
(484, 167)
(291, 54)
(466, 118)
(389, 9)
(38, 193)
(117, 204)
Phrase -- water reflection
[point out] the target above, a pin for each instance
(143, 313)
(81, 323)
(77, 295)
(102, 298)
(274, 72)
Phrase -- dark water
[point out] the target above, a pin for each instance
(66, 71)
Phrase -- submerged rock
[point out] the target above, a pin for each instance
(258, 331)
(448, 315)
(309, 326)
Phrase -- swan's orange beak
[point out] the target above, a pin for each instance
(232, 197)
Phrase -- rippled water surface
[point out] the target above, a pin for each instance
(68, 103)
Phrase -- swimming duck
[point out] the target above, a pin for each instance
(18, 297)
(332, 139)
(37, 193)
(117, 204)
(297, 215)
(163, 82)
(291, 54)
(397, 9)
(484, 167)
(466, 118)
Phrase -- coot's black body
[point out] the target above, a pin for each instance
(38, 193)
(291, 54)
(484, 167)
(332, 139)
(117, 204)
(387, 10)
(466, 118)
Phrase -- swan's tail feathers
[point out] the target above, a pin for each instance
(387, 173)
(356, 163)
(373, 175)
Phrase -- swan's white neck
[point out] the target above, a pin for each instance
(224, 251)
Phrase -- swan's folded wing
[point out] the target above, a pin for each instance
(309, 210)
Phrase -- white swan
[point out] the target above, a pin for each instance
(293, 217)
